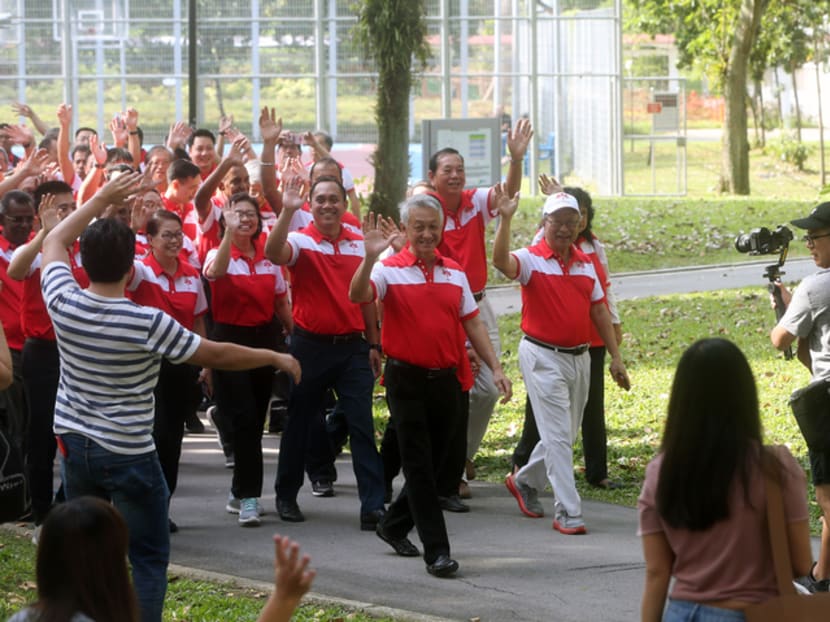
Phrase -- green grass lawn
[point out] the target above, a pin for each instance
(657, 331)
(187, 600)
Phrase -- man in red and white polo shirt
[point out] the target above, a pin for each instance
(561, 297)
(41, 365)
(334, 339)
(428, 313)
(17, 216)
(467, 212)
(183, 181)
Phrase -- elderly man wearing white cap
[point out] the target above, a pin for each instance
(561, 297)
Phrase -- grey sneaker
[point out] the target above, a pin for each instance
(569, 525)
(248, 514)
(322, 488)
(811, 585)
(526, 497)
(234, 504)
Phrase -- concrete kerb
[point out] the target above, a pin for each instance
(197, 574)
(375, 611)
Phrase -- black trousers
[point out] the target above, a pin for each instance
(594, 436)
(41, 371)
(242, 397)
(13, 404)
(177, 396)
(428, 415)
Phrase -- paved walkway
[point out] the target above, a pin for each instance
(512, 567)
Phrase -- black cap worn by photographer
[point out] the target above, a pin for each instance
(819, 218)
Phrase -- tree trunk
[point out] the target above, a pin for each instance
(735, 146)
(778, 98)
(793, 69)
(763, 117)
(753, 102)
(391, 158)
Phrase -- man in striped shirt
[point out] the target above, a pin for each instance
(110, 353)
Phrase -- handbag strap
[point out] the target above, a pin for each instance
(778, 536)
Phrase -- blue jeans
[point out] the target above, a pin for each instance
(345, 368)
(687, 611)
(135, 485)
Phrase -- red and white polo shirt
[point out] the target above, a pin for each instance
(463, 238)
(422, 312)
(188, 214)
(11, 299)
(557, 298)
(321, 271)
(181, 296)
(245, 295)
(34, 318)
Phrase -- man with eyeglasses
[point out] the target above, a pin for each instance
(561, 297)
(40, 362)
(17, 215)
(807, 319)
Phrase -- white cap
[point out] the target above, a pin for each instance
(560, 200)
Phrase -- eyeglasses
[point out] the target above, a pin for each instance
(810, 240)
(169, 236)
(556, 224)
(244, 215)
(20, 220)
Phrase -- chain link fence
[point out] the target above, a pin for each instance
(557, 62)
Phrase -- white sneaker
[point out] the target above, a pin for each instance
(36, 535)
(248, 514)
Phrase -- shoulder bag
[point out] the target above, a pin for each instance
(788, 606)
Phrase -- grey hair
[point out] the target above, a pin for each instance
(420, 200)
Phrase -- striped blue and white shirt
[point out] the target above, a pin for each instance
(110, 355)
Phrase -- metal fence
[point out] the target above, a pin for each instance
(557, 61)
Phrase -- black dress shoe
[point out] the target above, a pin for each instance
(289, 511)
(173, 527)
(369, 520)
(453, 504)
(443, 566)
(402, 546)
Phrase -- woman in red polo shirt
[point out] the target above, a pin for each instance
(161, 279)
(248, 294)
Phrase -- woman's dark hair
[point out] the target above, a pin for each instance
(713, 433)
(243, 197)
(585, 202)
(107, 250)
(154, 222)
(82, 564)
(324, 179)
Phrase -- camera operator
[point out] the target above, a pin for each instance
(807, 318)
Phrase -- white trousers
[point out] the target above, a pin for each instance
(484, 394)
(557, 385)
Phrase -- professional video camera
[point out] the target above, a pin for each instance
(762, 241)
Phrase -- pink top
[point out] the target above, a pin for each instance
(733, 558)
